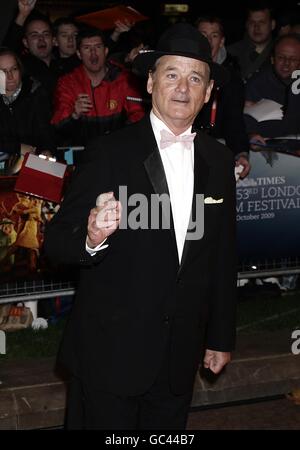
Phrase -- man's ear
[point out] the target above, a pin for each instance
(106, 51)
(55, 43)
(150, 83)
(25, 42)
(208, 90)
(78, 54)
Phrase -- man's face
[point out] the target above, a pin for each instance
(287, 58)
(259, 26)
(13, 74)
(65, 40)
(179, 87)
(214, 35)
(38, 39)
(93, 53)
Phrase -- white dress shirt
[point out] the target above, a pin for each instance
(178, 163)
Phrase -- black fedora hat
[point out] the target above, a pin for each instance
(181, 39)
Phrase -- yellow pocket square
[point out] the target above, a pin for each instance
(210, 200)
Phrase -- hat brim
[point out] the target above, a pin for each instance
(145, 61)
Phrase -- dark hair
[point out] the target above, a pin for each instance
(294, 36)
(260, 5)
(210, 19)
(63, 21)
(5, 51)
(89, 32)
(34, 17)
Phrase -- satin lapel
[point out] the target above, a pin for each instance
(152, 160)
(155, 170)
(201, 174)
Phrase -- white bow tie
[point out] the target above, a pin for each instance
(168, 139)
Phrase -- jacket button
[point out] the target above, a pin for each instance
(166, 320)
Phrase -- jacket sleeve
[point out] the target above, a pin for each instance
(220, 334)
(64, 101)
(234, 126)
(67, 128)
(65, 235)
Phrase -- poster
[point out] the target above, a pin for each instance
(268, 207)
(22, 224)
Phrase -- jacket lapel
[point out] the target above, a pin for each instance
(201, 174)
(155, 170)
(156, 174)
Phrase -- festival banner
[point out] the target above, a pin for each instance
(268, 207)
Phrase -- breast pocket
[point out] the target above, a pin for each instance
(212, 219)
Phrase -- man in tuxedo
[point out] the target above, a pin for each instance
(152, 300)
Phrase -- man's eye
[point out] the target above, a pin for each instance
(171, 76)
(195, 79)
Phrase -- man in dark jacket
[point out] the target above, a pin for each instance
(222, 116)
(31, 36)
(65, 31)
(24, 111)
(155, 295)
(276, 83)
(253, 52)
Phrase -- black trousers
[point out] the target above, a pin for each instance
(156, 409)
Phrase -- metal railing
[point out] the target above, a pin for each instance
(34, 290)
(45, 289)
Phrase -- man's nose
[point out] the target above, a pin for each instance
(9, 75)
(286, 62)
(182, 85)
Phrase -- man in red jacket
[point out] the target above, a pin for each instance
(93, 99)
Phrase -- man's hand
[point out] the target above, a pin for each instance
(121, 27)
(25, 148)
(243, 161)
(257, 138)
(133, 53)
(104, 219)
(215, 361)
(25, 8)
(83, 105)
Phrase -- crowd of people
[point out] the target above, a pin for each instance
(62, 70)
(80, 83)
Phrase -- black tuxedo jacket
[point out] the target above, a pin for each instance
(135, 302)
